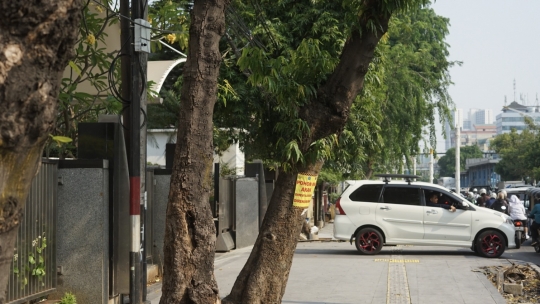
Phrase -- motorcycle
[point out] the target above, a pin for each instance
(520, 236)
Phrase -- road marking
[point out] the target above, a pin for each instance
(398, 287)
(396, 261)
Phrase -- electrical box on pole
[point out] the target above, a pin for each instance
(142, 36)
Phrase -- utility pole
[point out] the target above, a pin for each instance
(135, 41)
(458, 157)
(134, 156)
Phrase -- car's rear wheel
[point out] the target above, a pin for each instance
(490, 244)
(369, 241)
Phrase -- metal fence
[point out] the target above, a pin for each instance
(33, 269)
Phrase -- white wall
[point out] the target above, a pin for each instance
(158, 138)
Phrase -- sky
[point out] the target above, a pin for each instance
(498, 42)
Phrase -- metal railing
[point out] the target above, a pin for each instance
(33, 269)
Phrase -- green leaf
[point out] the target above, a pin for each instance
(75, 67)
(62, 139)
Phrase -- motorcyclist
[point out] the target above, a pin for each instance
(481, 200)
(535, 214)
(470, 197)
(517, 212)
(491, 200)
(500, 204)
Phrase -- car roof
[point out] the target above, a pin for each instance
(519, 189)
(395, 182)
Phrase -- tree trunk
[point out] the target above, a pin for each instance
(36, 42)
(190, 234)
(264, 277)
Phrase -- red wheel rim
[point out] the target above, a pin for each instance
(492, 244)
(369, 241)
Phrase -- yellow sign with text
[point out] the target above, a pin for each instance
(305, 185)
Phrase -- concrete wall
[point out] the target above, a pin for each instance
(159, 210)
(83, 234)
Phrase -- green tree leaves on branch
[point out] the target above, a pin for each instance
(85, 89)
(447, 163)
(520, 154)
(405, 88)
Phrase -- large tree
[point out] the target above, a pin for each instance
(190, 235)
(520, 153)
(310, 72)
(36, 42)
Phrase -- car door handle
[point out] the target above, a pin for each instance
(432, 211)
(385, 208)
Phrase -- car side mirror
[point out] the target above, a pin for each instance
(464, 205)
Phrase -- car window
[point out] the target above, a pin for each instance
(367, 193)
(401, 195)
(443, 198)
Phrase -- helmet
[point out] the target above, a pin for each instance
(482, 191)
(504, 193)
(470, 194)
(474, 190)
(493, 195)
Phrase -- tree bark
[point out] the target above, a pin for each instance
(36, 42)
(190, 235)
(264, 277)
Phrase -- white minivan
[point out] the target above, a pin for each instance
(374, 213)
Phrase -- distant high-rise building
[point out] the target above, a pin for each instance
(477, 128)
(457, 116)
(482, 117)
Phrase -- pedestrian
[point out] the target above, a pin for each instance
(517, 212)
(491, 200)
(500, 204)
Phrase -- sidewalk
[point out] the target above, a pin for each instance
(333, 272)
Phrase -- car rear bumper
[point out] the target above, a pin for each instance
(510, 232)
(343, 227)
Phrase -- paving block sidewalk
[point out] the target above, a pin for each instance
(333, 272)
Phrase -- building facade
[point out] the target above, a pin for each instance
(481, 173)
(513, 117)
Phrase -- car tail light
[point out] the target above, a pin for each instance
(339, 210)
(517, 223)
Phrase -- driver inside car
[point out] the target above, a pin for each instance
(434, 202)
